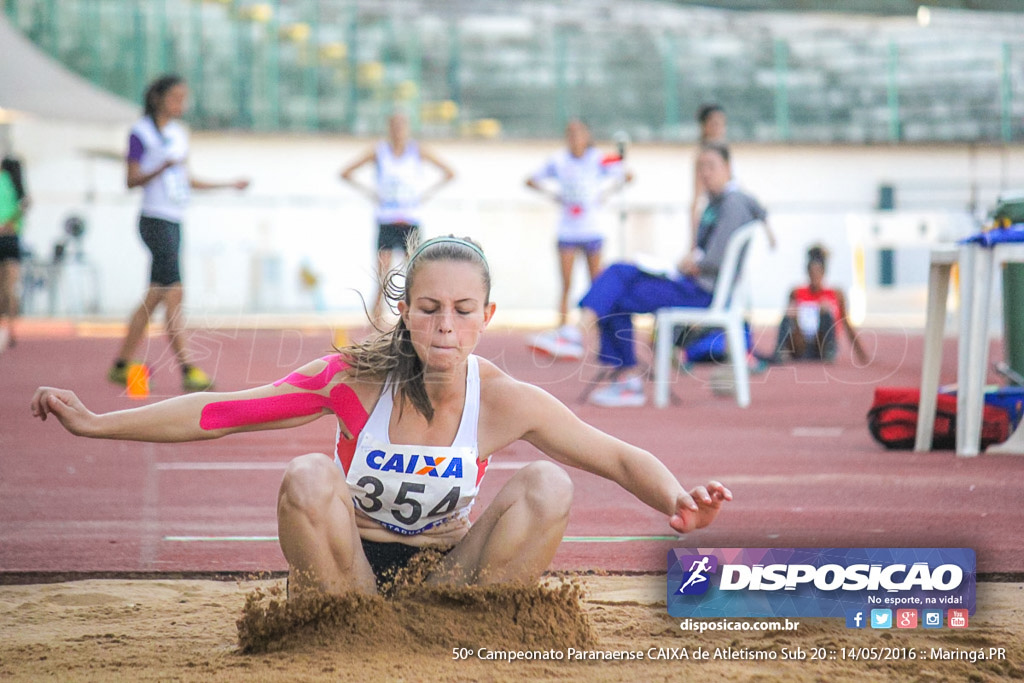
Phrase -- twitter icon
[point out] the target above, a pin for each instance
(881, 618)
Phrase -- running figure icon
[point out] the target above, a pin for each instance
(697, 571)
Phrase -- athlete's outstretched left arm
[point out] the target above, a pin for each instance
(301, 397)
(559, 433)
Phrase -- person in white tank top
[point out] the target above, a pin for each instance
(397, 193)
(419, 417)
(157, 161)
(579, 179)
(446, 479)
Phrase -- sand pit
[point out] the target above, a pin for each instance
(148, 630)
(426, 620)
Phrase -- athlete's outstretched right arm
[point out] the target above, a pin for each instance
(518, 410)
(176, 419)
(301, 397)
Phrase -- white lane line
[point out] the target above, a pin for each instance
(817, 432)
(257, 539)
(184, 466)
(215, 539)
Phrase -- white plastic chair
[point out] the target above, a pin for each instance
(726, 312)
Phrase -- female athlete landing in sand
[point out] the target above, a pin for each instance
(418, 417)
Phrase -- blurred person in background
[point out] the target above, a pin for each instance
(624, 288)
(579, 179)
(713, 124)
(397, 193)
(14, 202)
(814, 312)
(712, 121)
(157, 162)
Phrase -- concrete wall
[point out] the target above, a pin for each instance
(243, 251)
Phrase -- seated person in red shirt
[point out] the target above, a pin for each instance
(808, 330)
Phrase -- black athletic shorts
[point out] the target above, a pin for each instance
(10, 248)
(391, 236)
(164, 241)
(387, 558)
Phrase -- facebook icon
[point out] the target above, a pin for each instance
(855, 618)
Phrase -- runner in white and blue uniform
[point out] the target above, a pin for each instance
(579, 178)
(398, 192)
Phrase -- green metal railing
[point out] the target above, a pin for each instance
(343, 65)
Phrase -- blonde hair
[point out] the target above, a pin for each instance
(390, 355)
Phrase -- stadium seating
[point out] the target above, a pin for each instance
(342, 65)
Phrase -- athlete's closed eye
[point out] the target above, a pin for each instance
(461, 310)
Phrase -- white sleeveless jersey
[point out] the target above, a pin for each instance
(398, 184)
(407, 488)
(580, 183)
(166, 195)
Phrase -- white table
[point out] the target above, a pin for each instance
(978, 267)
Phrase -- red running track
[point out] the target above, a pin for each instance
(800, 461)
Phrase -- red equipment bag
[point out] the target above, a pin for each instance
(892, 420)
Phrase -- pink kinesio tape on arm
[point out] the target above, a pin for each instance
(225, 414)
(342, 401)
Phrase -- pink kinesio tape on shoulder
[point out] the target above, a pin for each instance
(342, 401)
(318, 381)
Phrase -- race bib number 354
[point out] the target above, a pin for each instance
(409, 489)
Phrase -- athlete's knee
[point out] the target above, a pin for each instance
(548, 489)
(310, 485)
